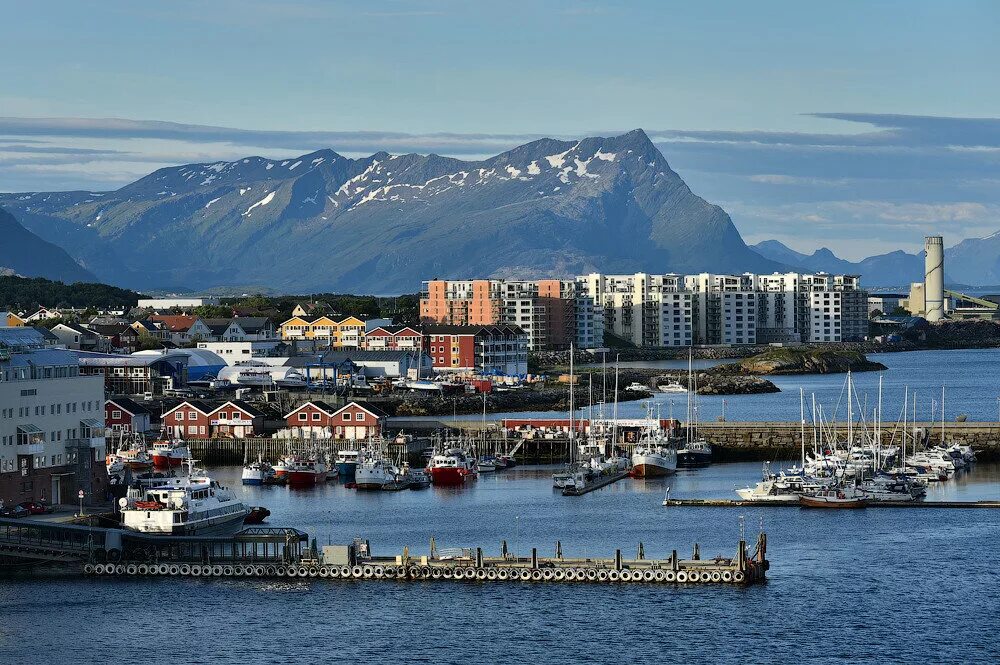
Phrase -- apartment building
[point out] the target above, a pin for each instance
(51, 423)
(674, 310)
(553, 313)
(643, 309)
(499, 350)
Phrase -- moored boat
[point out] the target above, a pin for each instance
(347, 464)
(257, 473)
(835, 497)
(453, 467)
(183, 506)
(167, 454)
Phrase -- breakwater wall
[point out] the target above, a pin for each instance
(735, 441)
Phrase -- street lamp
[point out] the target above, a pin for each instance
(79, 495)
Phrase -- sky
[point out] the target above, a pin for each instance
(859, 126)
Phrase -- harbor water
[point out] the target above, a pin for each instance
(969, 376)
(888, 586)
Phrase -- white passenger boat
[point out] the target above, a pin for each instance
(196, 504)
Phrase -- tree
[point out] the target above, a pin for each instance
(900, 311)
(147, 342)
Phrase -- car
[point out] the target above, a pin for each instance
(14, 512)
(36, 507)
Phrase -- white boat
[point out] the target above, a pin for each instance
(767, 491)
(636, 387)
(654, 457)
(257, 473)
(183, 506)
(671, 387)
(486, 464)
(375, 472)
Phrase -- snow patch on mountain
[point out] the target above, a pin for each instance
(263, 202)
(207, 204)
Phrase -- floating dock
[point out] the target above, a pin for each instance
(277, 552)
(740, 503)
(602, 481)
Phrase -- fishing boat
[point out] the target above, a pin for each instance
(453, 467)
(376, 472)
(654, 456)
(257, 473)
(508, 461)
(846, 497)
(167, 454)
(196, 504)
(694, 454)
(487, 464)
(303, 470)
(347, 464)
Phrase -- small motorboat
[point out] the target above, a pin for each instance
(257, 515)
(671, 387)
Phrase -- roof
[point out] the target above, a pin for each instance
(175, 322)
(77, 328)
(23, 338)
(37, 357)
(94, 359)
(318, 403)
(360, 356)
(218, 326)
(129, 406)
(46, 333)
(253, 324)
(373, 410)
(203, 407)
(393, 330)
(440, 329)
(112, 329)
(246, 407)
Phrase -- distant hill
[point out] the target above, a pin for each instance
(383, 223)
(897, 268)
(24, 253)
(23, 294)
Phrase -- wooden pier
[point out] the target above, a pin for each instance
(281, 552)
(740, 503)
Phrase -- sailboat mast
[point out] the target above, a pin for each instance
(571, 391)
(850, 413)
(815, 425)
(906, 403)
(614, 426)
(878, 425)
(942, 414)
(802, 429)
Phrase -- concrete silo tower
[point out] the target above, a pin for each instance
(934, 278)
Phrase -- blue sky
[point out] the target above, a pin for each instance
(730, 91)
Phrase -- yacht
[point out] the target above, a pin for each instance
(671, 387)
(196, 504)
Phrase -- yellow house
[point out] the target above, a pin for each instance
(15, 321)
(347, 333)
(350, 332)
(297, 327)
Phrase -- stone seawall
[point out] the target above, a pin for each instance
(735, 441)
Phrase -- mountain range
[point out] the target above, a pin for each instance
(974, 261)
(385, 222)
(24, 253)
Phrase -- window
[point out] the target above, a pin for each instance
(116, 414)
(224, 415)
(359, 417)
(303, 416)
(192, 415)
(316, 416)
(179, 415)
(347, 417)
(201, 429)
(192, 429)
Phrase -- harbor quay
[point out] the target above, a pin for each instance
(269, 552)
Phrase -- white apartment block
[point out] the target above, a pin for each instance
(51, 423)
(162, 304)
(674, 310)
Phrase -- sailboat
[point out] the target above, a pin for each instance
(696, 452)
